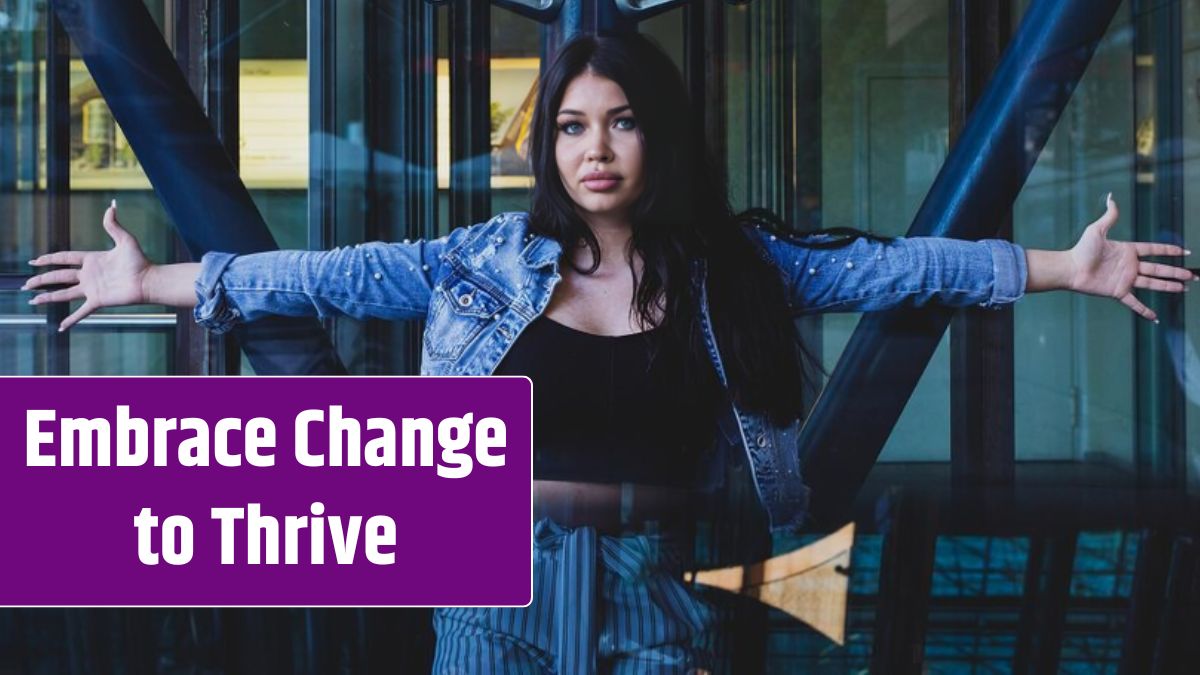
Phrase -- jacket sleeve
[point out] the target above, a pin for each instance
(868, 275)
(379, 280)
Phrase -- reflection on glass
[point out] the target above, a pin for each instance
(21, 40)
(1074, 393)
(100, 156)
(273, 117)
(22, 350)
(515, 62)
(103, 167)
(123, 352)
(1190, 375)
(514, 83)
(884, 102)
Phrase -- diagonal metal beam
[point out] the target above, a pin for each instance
(185, 161)
(975, 188)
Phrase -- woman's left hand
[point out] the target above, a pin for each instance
(1099, 266)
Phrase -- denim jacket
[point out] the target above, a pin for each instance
(480, 286)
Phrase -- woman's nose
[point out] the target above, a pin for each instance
(599, 151)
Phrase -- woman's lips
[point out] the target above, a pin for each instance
(599, 182)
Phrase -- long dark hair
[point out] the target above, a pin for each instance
(682, 216)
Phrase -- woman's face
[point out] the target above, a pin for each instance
(598, 148)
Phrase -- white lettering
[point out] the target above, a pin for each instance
(490, 433)
(82, 430)
(35, 438)
(145, 522)
(228, 518)
(303, 456)
(454, 433)
(135, 456)
(177, 540)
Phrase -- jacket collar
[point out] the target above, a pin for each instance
(540, 251)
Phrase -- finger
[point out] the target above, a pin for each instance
(1165, 271)
(77, 315)
(1145, 248)
(111, 226)
(1133, 303)
(63, 295)
(59, 258)
(67, 276)
(1111, 214)
(1152, 284)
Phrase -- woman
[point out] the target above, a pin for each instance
(658, 329)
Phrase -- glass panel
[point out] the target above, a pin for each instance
(103, 167)
(1185, 350)
(22, 336)
(273, 119)
(980, 566)
(1104, 565)
(1075, 392)
(884, 126)
(22, 352)
(124, 352)
(515, 62)
(22, 40)
(1101, 582)
(516, 47)
(667, 30)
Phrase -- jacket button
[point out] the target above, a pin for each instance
(762, 440)
(465, 300)
(378, 276)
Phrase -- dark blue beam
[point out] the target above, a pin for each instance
(974, 190)
(197, 183)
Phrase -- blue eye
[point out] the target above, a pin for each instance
(571, 128)
(626, 123)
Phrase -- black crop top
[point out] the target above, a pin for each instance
(605, 411)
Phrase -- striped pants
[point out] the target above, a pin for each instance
(601, 604)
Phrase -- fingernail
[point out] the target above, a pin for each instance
(1186, 252)
(61, 329)
(114, 203)
(1108, 198)
(33, 262)
(33, 301)
(1156, 322)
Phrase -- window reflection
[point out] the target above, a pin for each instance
(1074, 393)
(514, 65)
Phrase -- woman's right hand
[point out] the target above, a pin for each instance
(102, 278)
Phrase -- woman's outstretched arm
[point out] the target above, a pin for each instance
(1098, 266)
(870, 275)
(379, 280)
(119, 276)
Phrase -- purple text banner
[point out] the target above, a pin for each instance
(244, 491)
